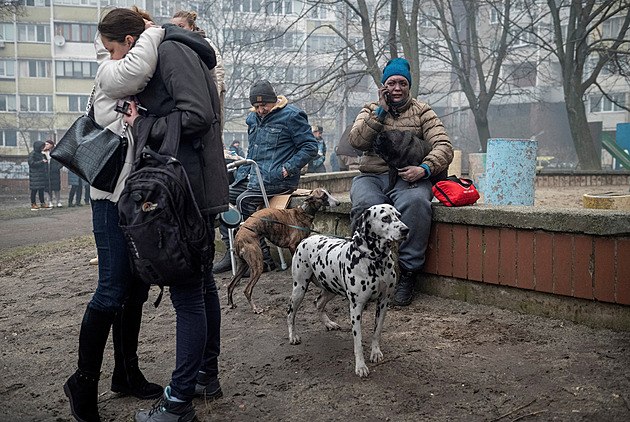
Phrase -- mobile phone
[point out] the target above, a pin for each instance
(122, 106)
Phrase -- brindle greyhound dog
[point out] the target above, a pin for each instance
(275, 225)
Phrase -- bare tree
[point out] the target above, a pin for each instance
(478, 50)
(577, 42)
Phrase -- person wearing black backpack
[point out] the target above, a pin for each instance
(183, 85)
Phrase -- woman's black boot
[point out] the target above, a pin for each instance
(127, 377)
(82, 387)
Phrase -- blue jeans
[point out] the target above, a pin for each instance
(198, 314)
(413, 204)
(115, 280)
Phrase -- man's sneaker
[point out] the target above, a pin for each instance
(224, 265)
(34, 207)
(44, 206)
(208, 387)
(168, 410)
(404, 289)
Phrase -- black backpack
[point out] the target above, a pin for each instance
(168, 237)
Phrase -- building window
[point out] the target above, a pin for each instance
(320, 43)
(243, 6)
(320, 11)
(7, 68)
(33, 33)
(68, 69)
(84, 3)
(427, 18)
(7, 102)
(34, 68)
(164, 8)
(602, 104)
(33, 136)
(612, 27)
(36, 103)
(279, 7)
(35, 3)
(280, 40)
(76, 32)
(8, 138)
(78, 102)
(6, 32)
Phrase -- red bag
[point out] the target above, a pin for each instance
(454, 192)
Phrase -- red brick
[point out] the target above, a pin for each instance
(430, 262)
(562, 264)
(491, 255)
(525, 259)
(623, 271)
(542, 262)
(507, 257)
(582, 256)
(604, 277)
(475, 253)
(445, 250)
(460, 251)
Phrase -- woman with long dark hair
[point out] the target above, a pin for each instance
(183, 84)
(118, 299)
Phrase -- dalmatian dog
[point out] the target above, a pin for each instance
(361, 269)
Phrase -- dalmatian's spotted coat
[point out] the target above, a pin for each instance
(362, 269)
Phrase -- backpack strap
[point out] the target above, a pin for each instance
(170, 143)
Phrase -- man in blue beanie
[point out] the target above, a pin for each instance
(412, 194)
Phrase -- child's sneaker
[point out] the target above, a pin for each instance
(59, 205)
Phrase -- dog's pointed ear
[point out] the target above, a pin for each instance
(360, 229)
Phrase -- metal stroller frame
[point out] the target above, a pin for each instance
(231, 167)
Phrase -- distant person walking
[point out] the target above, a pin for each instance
(76, 189)
(317, 164)
(38, 175)
(54, 176)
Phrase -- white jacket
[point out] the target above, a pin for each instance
(118, 79)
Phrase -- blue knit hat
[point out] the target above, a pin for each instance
(397, 66)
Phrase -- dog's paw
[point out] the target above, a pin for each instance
(295, 339)
(361, 370)
(376, 355)
(331, 325)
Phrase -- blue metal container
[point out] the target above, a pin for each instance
(510, 172)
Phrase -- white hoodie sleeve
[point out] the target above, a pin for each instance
(131, 74)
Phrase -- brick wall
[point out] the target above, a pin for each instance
(579, 265)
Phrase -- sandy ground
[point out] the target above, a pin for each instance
(444, 360)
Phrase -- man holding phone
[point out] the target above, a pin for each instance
(396, 110)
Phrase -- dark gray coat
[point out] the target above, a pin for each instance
(37, 168)
(183, 81)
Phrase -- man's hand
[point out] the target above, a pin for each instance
(133, 113)
(411, 174)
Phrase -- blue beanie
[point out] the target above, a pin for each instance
(397, 66)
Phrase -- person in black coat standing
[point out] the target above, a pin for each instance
(183, 83)
(38, 175)
(54, 176)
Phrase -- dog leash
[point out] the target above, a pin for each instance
(296, 227)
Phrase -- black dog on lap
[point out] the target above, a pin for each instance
(401, 149)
